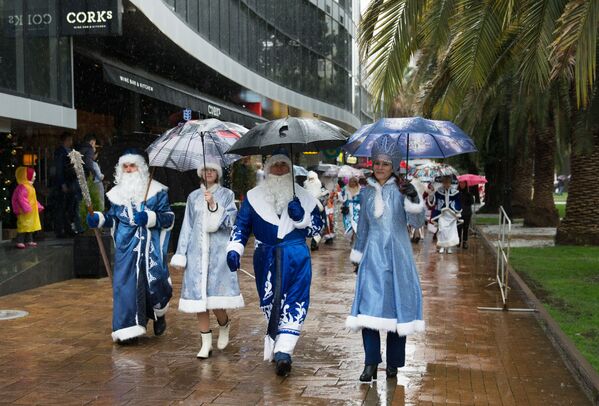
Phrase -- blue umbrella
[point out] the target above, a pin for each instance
(419, 137)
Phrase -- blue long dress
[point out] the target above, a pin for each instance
(388, 295)
(141, 282)
(282, 238)
(201, 250)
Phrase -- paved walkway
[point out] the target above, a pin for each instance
(62, 352)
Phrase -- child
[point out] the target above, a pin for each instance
(26, 207)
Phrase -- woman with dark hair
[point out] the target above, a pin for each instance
(388, 297)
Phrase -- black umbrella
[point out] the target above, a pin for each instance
(298, 134)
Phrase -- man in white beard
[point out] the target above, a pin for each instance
(314, 186)
(141, 230)
(280, 223)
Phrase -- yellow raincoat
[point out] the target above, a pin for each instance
(24, 202)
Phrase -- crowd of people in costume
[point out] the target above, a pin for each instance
(381, 216)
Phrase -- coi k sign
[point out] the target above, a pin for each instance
(91, 17)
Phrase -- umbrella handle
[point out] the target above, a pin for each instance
(292, 171)
(204, 158)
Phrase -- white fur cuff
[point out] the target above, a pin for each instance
(151, 218)
(102, 219)
(213, 219)
(305, 222)
(355, 256)
(161, 312)
(414, 208)
(236, 246)
(179, 260)
(128, 332)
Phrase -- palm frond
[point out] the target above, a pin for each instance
(575, 46)
(538, 21)
(475, 51)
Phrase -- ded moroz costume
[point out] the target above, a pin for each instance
(280, 224)
(141, 282)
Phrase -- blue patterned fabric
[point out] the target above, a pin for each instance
(141, 282)
(257, 216)
(350, 220)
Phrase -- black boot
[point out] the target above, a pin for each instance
(159, 325)
(369, 373)
(465, 245)
(283, 363)
(129, 341)
(391, 372)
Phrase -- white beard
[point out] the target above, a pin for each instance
(279, 191)
(133, 186)
(314, 187)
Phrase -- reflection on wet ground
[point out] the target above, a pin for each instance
(62, 352)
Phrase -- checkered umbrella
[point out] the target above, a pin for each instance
(186, 146)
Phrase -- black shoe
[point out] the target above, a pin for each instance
(391, 372)
(465, 245)
(159, 325)
(369, 373)
(283, 367)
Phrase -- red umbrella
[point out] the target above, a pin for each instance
(472, 180)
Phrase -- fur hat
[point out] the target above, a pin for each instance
(212, 164)
(274, 159)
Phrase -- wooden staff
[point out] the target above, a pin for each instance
(77, 162)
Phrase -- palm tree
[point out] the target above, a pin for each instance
(470, 51)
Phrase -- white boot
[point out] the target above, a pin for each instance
(206, 345)
(441, 250)
(223, 336)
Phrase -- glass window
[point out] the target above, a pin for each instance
(192, 14)
(243, 35)
(181, 8)
(205, 18)
(224, 25)
(234, 24)
(214, 22)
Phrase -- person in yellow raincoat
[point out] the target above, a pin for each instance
(26, 207)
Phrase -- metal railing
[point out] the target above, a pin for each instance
(502, 270)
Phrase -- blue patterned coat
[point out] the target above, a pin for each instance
(274, 233)
(141, 282)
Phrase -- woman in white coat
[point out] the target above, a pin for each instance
(207, 282)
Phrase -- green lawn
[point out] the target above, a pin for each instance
(566, 280)
(561, 198)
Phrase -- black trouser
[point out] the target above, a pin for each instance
(463, 229)
(24, 238)
(396, 348)
(63, 212)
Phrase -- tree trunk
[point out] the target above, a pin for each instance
(494, 163)
(580, 226)
(542, 211)
(523, 174)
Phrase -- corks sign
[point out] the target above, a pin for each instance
(51, 18)
(91, 17)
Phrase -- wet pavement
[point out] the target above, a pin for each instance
(62, 352)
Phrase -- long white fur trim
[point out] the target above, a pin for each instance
(179, 260)
(192, 306)
(161, 312)
(127, 333)
(225, 302)
(102, 219)
(355, 257)
(379, 204)
(377, 323)
(285, 343)
(151, 218)
(411, 207)
(214, 302)
(213, 219)
(269, 348)
(138, 160)
(236, 246)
